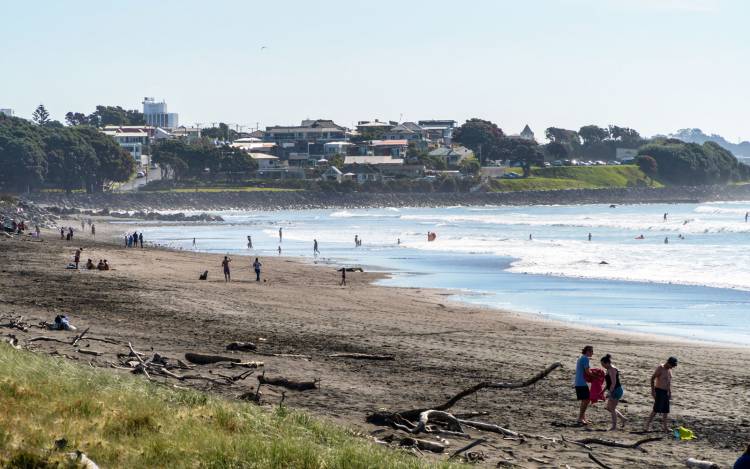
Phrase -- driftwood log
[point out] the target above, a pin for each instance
(424, 445)
(698, 464)
(467, 447)
(287, 383)
(242, 346)
(203, 359)
(362, 356)
(596, 460)
(377, 418)
(616, 444)
(79, 337)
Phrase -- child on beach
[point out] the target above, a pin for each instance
(257, 265)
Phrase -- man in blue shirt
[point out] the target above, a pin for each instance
(581, 385)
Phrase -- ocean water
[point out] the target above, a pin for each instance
(689, 276)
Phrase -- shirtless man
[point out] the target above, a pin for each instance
(661, 390)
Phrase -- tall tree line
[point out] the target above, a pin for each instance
(44, 154)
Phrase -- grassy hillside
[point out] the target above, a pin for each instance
(576, 177)
(124, 421)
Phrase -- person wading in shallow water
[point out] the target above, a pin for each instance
(225, 265)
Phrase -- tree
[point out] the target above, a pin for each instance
(481, 136)
(115, 115)
(40, 116)
(626, 137)
(648, 165)
(693, 164)
(115, 164)
(592, 134)
(527, 155)
(222, 132)
(77, 118)
(337, 161)
(236, 162)
(556, 150)
(22, 161)
(569, 138)
(469, 165)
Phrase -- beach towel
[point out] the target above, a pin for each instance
(597, 385)
(682, 433)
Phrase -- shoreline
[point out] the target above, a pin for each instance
(269, 200)
(439, 347)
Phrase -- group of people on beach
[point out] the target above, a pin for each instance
(256, 265)
(592, 384)
(133, 239)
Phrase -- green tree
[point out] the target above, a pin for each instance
(22, 161)
(693, 164)
(115, 115)
(593, 134)
(72, 161)
(648, 165)
(469, 165)
(481, 136)
(337, 161)
(222, 132)
(77, 118)
(527, 155)
(114, 163)
(556, 150)
(40, 116)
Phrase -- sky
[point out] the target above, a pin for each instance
(653, 65)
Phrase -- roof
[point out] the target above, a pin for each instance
(247, 140)
(337, 143)
(448, 151)
(333, 170)
(125, 133)
(253, 145)
(262, 156)
(372, 160)
(390, 143)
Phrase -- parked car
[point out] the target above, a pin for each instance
(599, 163)
(140, 174)
(557, 163)
(547, 164)
(628, 161)
(511, 176)
(613, 163)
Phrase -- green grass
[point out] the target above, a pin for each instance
(125, 421)
(575, 177)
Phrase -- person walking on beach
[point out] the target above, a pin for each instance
(343, 277)
(356, 240)
(83, 225)
(62, 233)
(93, 231)
(193, 243)
(225, 265)
(257, 265)
(140, 238)
(38, 232)
(661, 391)
(279, 250)
(315, 247)
(614, 390)
(77, 257)
(581, 384)
(280, 234)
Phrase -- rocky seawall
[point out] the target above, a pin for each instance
(150, 201)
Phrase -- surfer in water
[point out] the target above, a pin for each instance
(249, 242)
(640, 237)
(665, 216)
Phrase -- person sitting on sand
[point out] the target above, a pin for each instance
(100, 265)
(90, 265)
(225, 265)
(661, 391)
(614, 389)
(744, 461)
(580, 383)
(106, 266)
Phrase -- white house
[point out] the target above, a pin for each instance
(371, 159)
(269, 162)
(452, 155)
(132, 138)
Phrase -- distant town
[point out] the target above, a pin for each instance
(374, 151)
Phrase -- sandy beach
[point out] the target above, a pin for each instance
(153, 298)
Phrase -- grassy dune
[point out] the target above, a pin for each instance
(125, 421)
(576, 177)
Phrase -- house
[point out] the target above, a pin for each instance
(372, 160)
(332, 174)
(376, 125)
(362, 173)
(310, 131)
(526, 134)
(408, 131)
(439, 131)
(254, 146)
(191, 134)
(392, 148)
(134, 139)
(331, 149)
(268, 162)
(452, 155)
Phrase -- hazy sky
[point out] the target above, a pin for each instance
(655, 65)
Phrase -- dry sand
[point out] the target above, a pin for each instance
(153, 298)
